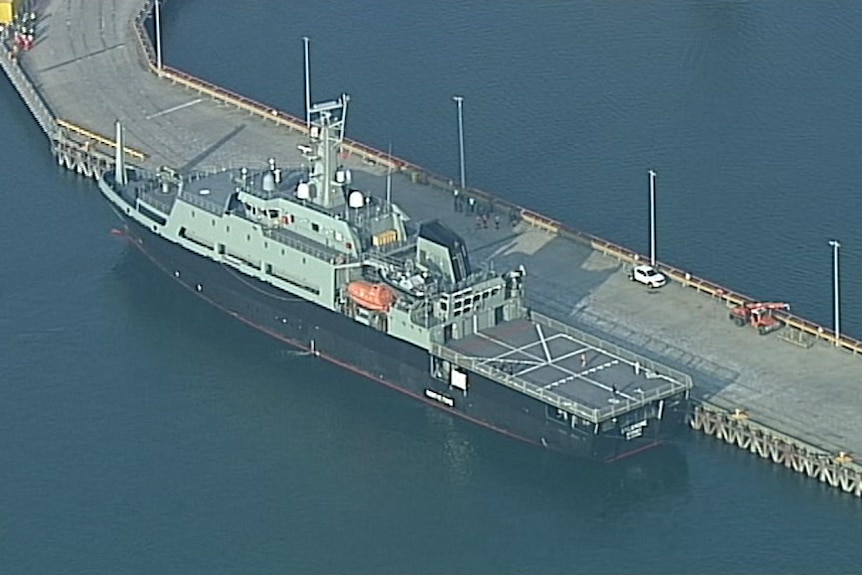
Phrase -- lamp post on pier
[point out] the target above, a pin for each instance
(652, 175)
(158, 17)
(459, 101)
(836, 314)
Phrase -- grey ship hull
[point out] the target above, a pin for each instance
(391, 362)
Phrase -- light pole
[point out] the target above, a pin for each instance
(307, 86)
(652, 217)
(459, 100)
(836, 318)
(158, 17)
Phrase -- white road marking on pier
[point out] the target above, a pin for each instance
(175, 108)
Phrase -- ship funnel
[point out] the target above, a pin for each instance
(441, 248)
(119, 156)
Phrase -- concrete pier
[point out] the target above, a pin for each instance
(790, 397)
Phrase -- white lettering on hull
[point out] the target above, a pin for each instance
(444, 399)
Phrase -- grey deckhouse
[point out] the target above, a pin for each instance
(309, 232)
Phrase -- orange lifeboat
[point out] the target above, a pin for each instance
(378, 297)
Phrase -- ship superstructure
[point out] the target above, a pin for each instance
(306, 256)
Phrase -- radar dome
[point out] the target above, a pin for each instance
(268, 183)
(303, 191)
(355, 199)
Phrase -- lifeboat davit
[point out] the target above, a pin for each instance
(377, 297)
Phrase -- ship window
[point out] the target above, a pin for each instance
(444, 306)
(282, 251)
(193, 213)
(248, 238)
(213, 223)
(476, 298)
(273, 213)
(315, 227)
(485, 294)
(266, 245)
(227, 228)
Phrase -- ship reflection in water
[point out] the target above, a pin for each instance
(598, 489)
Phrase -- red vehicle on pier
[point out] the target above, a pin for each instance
(759, 315)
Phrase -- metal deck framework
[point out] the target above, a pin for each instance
(566, 368)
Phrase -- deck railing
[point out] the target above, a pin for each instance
(675, 383)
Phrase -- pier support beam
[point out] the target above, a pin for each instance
(838, 471)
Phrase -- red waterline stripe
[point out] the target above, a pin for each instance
(633, 451)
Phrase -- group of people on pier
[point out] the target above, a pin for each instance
(485, 211)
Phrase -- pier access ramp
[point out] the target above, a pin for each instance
(566, 368)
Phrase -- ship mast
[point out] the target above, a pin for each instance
(328, 181)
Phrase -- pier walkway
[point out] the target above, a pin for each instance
(793, 391)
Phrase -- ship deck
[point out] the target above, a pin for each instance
(811, 393)
(577, 369)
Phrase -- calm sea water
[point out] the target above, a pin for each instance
(142, 432)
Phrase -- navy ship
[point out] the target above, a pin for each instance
(303, 255)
